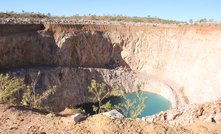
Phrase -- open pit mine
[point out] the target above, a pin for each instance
(182, 64)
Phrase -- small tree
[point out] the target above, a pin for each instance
(8, 86)
(128, 107)
(136, 111)
(190, 21)
(33, 99)
(100, 92)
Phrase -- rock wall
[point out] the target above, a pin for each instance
(174, 56)
(72, 83)
(189, 57)
(45, 47)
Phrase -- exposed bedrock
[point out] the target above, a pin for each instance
(72, 83)
(165, 59)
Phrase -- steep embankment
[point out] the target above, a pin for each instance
(175, 57)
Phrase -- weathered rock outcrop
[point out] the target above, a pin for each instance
(188, 114)
(173, 56)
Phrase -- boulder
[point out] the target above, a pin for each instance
(210, 119)
(77, 117)
(149, 118)
(217, 118)
(114, 114)
(173, 114)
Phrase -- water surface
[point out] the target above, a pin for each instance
(154, 103)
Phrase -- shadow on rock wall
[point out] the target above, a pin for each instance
(67, 48)
(72, 83)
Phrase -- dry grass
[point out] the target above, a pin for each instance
(23, 15)
(119, 18)
(184, 96)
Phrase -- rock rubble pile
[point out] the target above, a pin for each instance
(74, 21)
(188, 114)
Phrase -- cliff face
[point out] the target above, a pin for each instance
(46, 47)
(178, 57)
(189, 57)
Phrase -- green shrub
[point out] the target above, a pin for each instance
(34, 100)
(100, 92)
(8, 86)
(128, 107)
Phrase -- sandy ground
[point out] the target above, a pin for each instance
(23, 120)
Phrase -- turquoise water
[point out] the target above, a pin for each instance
(154, 103)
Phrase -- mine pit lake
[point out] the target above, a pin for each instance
(154, 103)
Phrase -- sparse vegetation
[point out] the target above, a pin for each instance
(9, 86)
(128, 108)
(24, 14)
(100, 92)
(119, 18)
(33, 99)
(184, 96)
(190, 21)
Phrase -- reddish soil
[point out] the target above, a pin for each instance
(21, 120)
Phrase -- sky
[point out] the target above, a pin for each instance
(179, 10)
